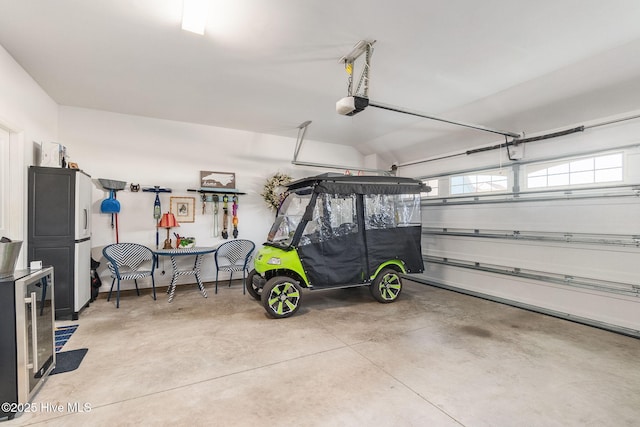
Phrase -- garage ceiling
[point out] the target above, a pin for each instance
(268, 66)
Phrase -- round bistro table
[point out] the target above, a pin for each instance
(196, 251)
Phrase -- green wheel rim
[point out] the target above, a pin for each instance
(284, 298)
(390, 287)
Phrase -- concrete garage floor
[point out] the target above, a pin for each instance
(433, 358)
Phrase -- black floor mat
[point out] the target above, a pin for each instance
(67, 361)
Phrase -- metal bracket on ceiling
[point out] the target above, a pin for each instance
(302, 130)
(362, 47)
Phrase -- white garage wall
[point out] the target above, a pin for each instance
(24, 106)
(171, 154)
(572, 254)
(28, 114)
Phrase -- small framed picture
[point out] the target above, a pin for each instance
(183, 208)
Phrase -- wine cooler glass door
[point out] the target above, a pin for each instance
(40, 334)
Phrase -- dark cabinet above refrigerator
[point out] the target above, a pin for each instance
(59, 233)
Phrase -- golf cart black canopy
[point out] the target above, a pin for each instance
(347, 184)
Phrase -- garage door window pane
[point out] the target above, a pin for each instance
(582, 178)
(457, 189)
(433, 183)
(541, 172)
(555, 180)
(537, 182)
(609, 175)
(600, 169)
(606, 162)
(563, 168)
(485, 183)
(581, 165)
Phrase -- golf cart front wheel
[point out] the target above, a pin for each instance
(281, 297)
(387, 286)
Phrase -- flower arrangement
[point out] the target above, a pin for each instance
(272, 196)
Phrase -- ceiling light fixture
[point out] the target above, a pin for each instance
(194, 15)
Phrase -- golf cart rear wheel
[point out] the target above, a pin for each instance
(387, 286)
(251, 288)
(281, 297)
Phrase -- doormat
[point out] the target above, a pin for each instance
(63, 333)
(67, 361)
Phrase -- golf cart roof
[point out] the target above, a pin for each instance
(370, 184)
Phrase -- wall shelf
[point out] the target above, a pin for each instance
(215, 191)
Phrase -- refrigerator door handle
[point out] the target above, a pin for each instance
(86, 218)
(34, 330)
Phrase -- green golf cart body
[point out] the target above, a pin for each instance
(337, 231)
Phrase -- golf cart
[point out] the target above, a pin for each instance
(337, 231)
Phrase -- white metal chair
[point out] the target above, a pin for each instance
(234, 255)
(129, 261)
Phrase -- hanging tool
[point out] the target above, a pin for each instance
(157, 213)
(234, 210)
(157, 208)
(225, 216)
(216, 228)
(111, 205)
(207, 197)
(116, 215)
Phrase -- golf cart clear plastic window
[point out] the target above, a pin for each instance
(391, 211)
(289, 216)
(334, 215)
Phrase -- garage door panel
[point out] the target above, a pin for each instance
(591, 261)
(608, 216)
(589, 306)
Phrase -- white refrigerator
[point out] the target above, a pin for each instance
(82, 242)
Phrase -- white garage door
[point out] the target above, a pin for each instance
(560, 236)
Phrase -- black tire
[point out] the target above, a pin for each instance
(387, 285)
(251, 289)
(281, 297)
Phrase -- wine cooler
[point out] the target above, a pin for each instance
(27, 353)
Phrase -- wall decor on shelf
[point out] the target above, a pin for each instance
(217, 180)
(183, 208)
